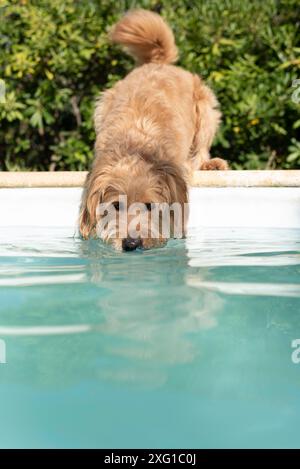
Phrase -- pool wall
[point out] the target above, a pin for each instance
(218, 199)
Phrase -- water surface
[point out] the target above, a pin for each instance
(187, 346)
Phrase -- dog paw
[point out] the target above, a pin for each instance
(214, 164)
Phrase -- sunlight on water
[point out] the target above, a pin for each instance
(184, 346)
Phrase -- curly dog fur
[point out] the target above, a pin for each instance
(153, 128)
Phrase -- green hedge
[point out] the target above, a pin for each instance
(55, 59)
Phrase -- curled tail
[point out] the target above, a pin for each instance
(146, 36)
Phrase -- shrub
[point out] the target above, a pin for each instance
(55, 59)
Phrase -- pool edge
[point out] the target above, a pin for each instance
(267, 178)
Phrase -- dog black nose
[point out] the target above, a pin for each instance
(130, 244)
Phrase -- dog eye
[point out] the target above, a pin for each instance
(116, 205)
(148, 207)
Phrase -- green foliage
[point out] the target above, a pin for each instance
(55, 59)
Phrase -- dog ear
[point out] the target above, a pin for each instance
(175, 180)
(92, 195)
(176, 190)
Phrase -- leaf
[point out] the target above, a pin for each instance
(296, 124)
(278, 128)
(227, 42)
(36, 120)
(288, 63)
(49, 74)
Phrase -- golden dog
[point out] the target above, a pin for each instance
(153, 129)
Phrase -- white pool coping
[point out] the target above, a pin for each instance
(274, 178)
(209, 207)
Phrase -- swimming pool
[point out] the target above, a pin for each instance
(188, 346)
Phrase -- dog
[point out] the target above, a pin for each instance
(153, 129)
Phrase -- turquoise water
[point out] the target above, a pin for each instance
(187, 346)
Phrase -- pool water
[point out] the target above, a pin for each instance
(188, 346)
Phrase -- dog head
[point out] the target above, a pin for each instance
(132, 202)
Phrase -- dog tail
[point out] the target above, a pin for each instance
(146, 36)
